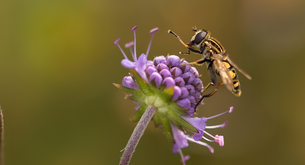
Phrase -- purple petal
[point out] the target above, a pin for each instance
(173, 60)
(165, 73)
(194, 71)
(198, 123)
(192, 99)
(179, 81)
(191, 89)
(150, 63)
(179, 138)
(198, 136)
(177, 93)
(175, 148)
(156, 78)
(198, 84)
(159, 59)
(168, 82)
(140, 66)
(151, 69)
(199, 87)
(197, 95)
(128, 82)
(161, 66)
(184, 93)
(128, 64)
(188, 77)
(191, 112)
(197, 81)
(185, 68)
(184, 103)
(141, 63)
(176, 72)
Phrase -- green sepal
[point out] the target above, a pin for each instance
(166, 127)
(176, 108)
(146, 89)
(157, 122)
(166, 94)
(137, 94)
(137, 116)
(176, 118)
(136, 98)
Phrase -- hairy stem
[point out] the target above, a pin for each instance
(137, 134)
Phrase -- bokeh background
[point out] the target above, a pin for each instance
(57, 66)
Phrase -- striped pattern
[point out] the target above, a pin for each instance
(211, 44)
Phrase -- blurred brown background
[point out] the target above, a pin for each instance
(57, 66)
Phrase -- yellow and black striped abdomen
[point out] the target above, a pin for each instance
(236, 90)
(233, 75)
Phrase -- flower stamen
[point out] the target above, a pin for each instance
(183, 158)
(207, 139)
(205, 132)
(228, 111)
(219, 140)
(201, 143)
(152, 31)
(129, 45)
(134, 56)
(217, 126)
(116, 42)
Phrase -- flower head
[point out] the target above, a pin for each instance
(173, 88)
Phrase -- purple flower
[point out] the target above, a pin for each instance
(173, 89)
(139, 64)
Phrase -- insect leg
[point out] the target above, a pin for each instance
(207, 86)
(209, 95)
(198, 62)
(214, 81)
(187, 46)
(188, 52)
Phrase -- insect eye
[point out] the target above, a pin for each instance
(199, 37)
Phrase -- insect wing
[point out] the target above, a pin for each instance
(223, 71)
(240, 70)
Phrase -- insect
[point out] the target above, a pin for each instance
(217, 61)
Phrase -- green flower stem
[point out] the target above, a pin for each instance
(137, 134)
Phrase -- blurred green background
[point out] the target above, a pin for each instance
(57, 66)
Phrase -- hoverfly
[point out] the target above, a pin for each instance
(217, 61)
